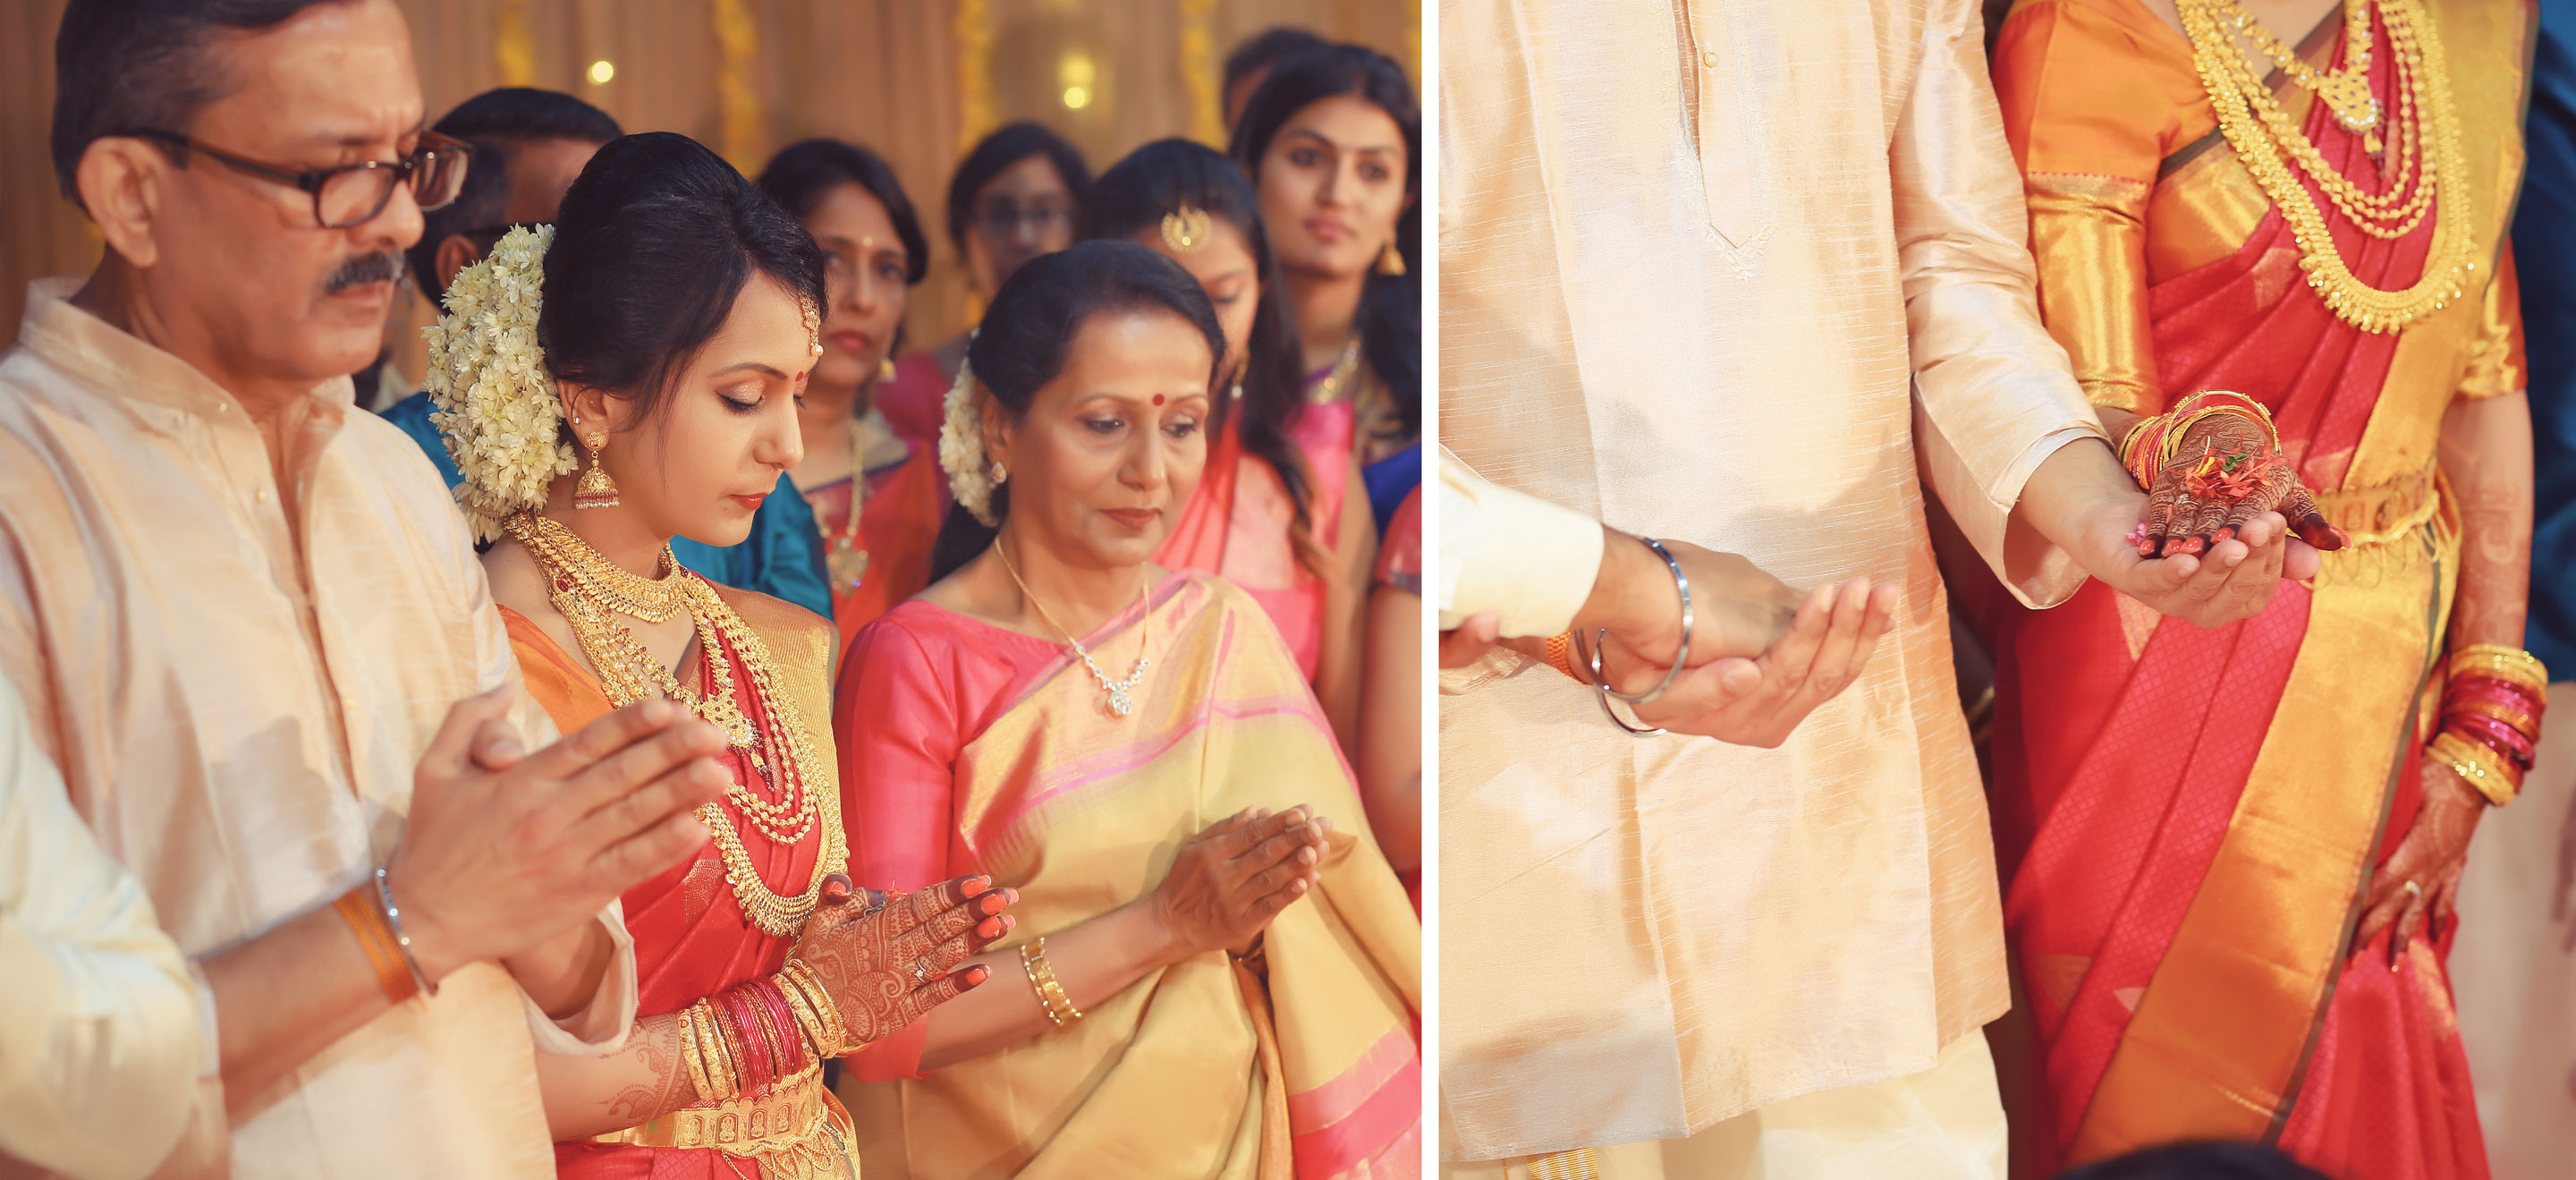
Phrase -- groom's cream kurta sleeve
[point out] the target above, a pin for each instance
(1521, 559)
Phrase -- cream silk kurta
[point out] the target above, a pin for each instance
(237, 716)
(1693, 256)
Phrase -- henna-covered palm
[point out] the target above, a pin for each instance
(2224, 473)
(887, 960)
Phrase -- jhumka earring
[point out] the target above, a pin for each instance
(1390, 261)
(595, 490)
(885, 369)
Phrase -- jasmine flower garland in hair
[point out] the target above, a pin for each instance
(961, 449)
(495, 402)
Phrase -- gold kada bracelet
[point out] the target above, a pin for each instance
(1059, 1006)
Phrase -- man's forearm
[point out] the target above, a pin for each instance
(285, 996)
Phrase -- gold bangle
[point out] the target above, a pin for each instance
(825, 1007)
(718, 1053)
(2129, 440)
(1059, 1006)
(2479, 766)
(808, 1023)
(2509, 664)
(689, 1057)
(831, 1037)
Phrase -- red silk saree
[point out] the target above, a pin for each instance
(2186, 818)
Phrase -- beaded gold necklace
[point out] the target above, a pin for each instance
(2429, 172)
(778, 747)
(842, 555)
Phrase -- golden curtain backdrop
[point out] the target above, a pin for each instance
(912, 79)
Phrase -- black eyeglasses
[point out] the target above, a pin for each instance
(1003, 218)
(352, 194)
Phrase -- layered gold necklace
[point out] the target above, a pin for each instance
(590, 591)
(2428, 175)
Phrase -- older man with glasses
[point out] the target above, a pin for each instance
(250, 629)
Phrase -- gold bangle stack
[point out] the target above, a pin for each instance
(1059, 1007)
(812, 1003)
(2481, 767)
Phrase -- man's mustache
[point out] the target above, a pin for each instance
(382, 266)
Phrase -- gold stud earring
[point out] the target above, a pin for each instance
(885, 369)
(595, 490)
(1390, 261)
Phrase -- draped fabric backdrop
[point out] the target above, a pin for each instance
(917, 80)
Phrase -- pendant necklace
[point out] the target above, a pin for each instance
(1122, 699)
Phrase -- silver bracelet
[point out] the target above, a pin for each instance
(1681, 582)
(1600, 689)
(393, 918)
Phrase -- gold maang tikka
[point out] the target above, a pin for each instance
(1188, 228)
(813, 323)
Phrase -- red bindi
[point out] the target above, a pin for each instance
(1158, 399)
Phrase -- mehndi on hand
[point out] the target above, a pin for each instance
(2209, 465)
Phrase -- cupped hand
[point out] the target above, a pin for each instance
(1228, 881)
(503, 851)
(888, 960)
(2234, 579)
(1759, 702)
(2434, 851)
(2226, 472)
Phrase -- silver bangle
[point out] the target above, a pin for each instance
(1601, 690)
(393, 918)
(1681, 582)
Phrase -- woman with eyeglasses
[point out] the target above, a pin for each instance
(876, 500)
(1333, 141)
(1014, 198)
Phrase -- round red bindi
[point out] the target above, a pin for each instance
(1158, 399)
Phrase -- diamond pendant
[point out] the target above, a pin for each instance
(1120, 703)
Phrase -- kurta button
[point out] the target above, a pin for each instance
(263, 495)
(1709, 59)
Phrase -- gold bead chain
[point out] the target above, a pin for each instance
(629, 673)
(2431, 169)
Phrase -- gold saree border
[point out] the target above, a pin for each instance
(2220, 1041)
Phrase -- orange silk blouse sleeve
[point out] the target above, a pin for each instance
(2090, 110)
(2495, 361)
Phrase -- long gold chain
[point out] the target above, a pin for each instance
(778, 747)
(841, 555)
(2425, 134)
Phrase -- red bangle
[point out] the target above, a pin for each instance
(782, 1052)
(750, 1083)
(791, 1035)
(2494, 735)
(2496, 691)
(747, 1012)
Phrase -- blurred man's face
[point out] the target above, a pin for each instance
(278, 296)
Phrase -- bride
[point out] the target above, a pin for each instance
(667, 323)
